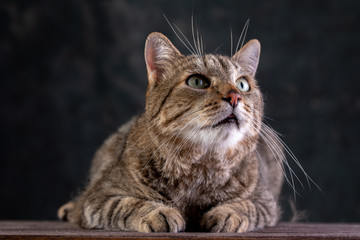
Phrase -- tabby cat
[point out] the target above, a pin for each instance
(197, 159)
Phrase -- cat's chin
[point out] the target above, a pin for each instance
(225, 135)
(230, 121)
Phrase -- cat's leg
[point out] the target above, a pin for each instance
(131, 214)
(242, 215)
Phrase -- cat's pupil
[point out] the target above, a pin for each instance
(199, 82)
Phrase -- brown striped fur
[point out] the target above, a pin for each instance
(174, 167)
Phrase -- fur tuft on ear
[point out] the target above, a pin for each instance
(248, 56)
(159, 53)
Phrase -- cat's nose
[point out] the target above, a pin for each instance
(233, 98)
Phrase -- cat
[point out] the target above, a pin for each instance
(198, 159)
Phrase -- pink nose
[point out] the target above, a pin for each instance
(233, 98)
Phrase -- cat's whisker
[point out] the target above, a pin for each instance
(276, 138)
(194, 50)
(265, 117)
(278, 154)
(163, 129)
(291, 154)
(271, 136)
(174, 153)
(279, 161)
(244, 30)
(192, 31)
(231, 42)
(198, 41)
(175, 134)
(247, 27)
(187, 137)
(216, 49)
(202, 45)
(279, 158)
(188, 48)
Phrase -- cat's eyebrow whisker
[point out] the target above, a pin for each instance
(247, 27)
(192, 31)
(192, 48)
(202, 45)
(216, 49)
(198, 41)
(189, 48)
(231, 42)
(242, 35)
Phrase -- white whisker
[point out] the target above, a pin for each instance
(189, 48)
(276, 146)
(242, 35)
(231, 42)
(192, 48)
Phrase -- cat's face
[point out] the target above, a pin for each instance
(211, 100)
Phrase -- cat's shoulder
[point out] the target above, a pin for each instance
(110, 149)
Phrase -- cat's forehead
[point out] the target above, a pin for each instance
(216, 66)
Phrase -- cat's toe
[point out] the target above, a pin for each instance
(224, 220)
(63, 212)
(163, 219)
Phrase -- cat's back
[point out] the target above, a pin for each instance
(110, 150)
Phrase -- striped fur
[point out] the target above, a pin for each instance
(176, 167)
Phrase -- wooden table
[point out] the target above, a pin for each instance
(62, 230)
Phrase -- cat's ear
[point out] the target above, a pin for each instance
(248, 56)
(159, 53)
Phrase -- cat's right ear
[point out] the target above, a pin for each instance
(248, 56)
(159, 54)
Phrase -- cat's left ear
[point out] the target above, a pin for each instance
(159, 54)
(248, 56)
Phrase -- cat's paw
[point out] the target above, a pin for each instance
(63, 212)
(224, 219)
(162, 219)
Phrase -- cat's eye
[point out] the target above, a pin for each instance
(242, 84)
(198, 81)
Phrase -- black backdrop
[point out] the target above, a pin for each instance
(72, 71)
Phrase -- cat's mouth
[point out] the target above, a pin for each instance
(231, 119)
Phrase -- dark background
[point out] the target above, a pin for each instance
(72, 71)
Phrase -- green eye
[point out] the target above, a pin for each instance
(242, 84)
(198, 81)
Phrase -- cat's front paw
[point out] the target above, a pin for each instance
(63, 212)
(224, 219)
(162, 219)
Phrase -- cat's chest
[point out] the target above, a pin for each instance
(204, 185)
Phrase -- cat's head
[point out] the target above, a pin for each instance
(211, 100)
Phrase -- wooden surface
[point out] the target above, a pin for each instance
(62, 230)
